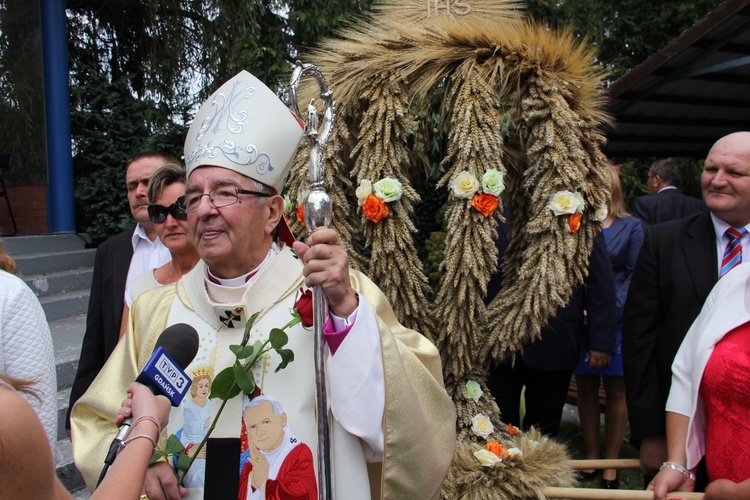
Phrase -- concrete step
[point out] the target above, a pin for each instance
(33, 264)
(64, 305)
(67, 472)
(18, 246)
(45, 285)
(67, 336)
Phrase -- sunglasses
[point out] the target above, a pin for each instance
(158, 213)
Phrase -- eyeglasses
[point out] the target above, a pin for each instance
(158, 213)
(219, 197)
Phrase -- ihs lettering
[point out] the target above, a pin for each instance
(449, 7)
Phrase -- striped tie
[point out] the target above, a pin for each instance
(733, 253)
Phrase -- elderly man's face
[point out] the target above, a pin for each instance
(234, 239)
(136, 181)
(726, 179)
(264, 429)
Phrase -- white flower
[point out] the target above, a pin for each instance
(492, 182)
(388, 189)
(302, 196)
(481, 425)
(565, 202)
(289, 205)
(363, 191)
(495, 408)
(514, 452)
(473, 390)
(581, 204)
(533, 444)
(601, 212)
(486, 458)
(465, 185)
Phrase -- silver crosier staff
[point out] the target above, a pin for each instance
(318, 213)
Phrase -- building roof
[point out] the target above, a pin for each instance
(680, 100)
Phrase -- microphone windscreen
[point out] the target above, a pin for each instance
(181, 342)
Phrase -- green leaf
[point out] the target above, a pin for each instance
(245, 379)
(278, 338)
(248, 327)
(241, 352)
(173, 445)
(257, 347)
(183, 462)
(287, 356)
(225, 385)
(158, 454)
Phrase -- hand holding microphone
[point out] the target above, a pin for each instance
(141, 402)
(164, 375)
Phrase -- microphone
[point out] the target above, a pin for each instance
(164, 374)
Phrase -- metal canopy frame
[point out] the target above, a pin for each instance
(689, 94)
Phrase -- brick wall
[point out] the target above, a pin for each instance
(29, 205)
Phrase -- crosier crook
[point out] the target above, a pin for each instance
(318, 213)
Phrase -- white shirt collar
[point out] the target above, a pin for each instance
(240, 281)
(140, 234)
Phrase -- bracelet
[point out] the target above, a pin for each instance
(679, 468)
(147, 417)
(131, 439)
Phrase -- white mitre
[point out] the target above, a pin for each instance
(244, 127)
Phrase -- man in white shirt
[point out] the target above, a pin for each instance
(119, 260)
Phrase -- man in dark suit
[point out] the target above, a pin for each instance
(665, 202)
(678, 265)
(545, 367)
(114, 268)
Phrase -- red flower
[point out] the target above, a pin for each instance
(496, 448)
(375, 209)
(304, 307)
(574, 223)
(484, 203)
(511, 430)
(301, 215)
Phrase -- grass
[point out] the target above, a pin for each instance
(630, 479)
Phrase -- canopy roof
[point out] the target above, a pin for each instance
(689, 94)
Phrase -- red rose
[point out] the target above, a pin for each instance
(304, 307)
(375, 209)
(484, 203)
(574, 223)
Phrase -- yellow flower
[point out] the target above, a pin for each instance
(465, 185)
(486, 458)
(565, 202)
(363, 191)
(481, 425)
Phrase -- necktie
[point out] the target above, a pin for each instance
(733, 253)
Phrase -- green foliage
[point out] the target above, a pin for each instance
(109, 126)
(22, 124)
(626, 32)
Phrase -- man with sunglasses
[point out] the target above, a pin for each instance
(384, 381)
(119, 260)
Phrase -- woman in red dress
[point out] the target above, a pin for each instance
(709, 403)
